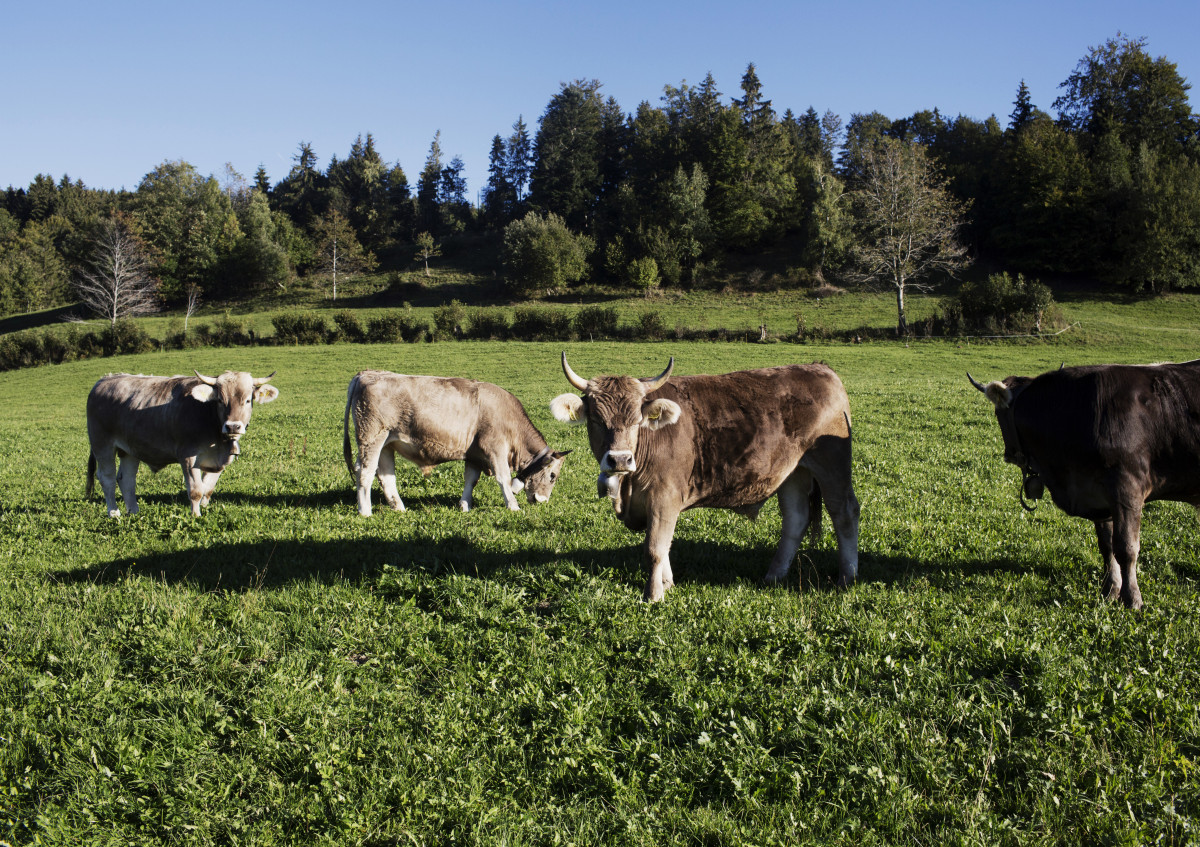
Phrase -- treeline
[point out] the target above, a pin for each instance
(1108, 186)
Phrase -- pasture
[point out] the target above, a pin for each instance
(282, 670)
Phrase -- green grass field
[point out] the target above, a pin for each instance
(283, 671)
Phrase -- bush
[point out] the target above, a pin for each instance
(596, 322)
(298, 328)
(650, 327)
(20, 350)
(998, 305)
(542, 254)
(643, 274)
(229, 332)
(489, 324)
(394, 327)
(448, 321)
(536, 323)
(349, 327)
(123, 337)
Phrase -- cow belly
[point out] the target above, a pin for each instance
(745, 495)
(428, 452)
(147, 453)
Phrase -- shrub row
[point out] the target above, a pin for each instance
(999, 304)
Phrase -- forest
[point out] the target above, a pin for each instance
(1103, 185)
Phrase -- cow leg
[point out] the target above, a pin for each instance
(106, 472)
(1113, 582)
(659, 534)
(208, 484)
(504, 480)
(844, 513)
(193, 482)
(470, 477)
(127, 479)
(1127, 539)
(793, 507)
(386, 471)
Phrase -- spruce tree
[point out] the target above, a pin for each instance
(1023, 109)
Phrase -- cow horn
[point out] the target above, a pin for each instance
(207, 380)
(652, 384)
(976, 383)
(264, 380)
(572, 377)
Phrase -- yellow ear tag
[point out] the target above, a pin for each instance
(574, 417)
(655, 416)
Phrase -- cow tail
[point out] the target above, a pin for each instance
(814, 514)
(91, 476)
(346, 452)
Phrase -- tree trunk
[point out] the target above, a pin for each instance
(902, 321)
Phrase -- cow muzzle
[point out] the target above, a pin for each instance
(233, 429)
(616, 462)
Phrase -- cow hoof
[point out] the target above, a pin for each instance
(464, 506)
(114, 513)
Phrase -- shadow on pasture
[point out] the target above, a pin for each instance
(817, 568)
(316, 499)
(275, 563)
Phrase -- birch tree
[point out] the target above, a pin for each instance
(907, 221)
(116, 282)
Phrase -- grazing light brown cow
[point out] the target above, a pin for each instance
(195, 421)
(430, 420)
(732, 441)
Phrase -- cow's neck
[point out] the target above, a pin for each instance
(529, 451)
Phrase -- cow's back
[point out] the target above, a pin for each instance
(740, 435)
(151, 417)
(437, 417)
(1115, 419)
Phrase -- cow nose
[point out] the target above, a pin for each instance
(619, 461)
(234, 428)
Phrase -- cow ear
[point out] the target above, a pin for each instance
(516, 486)
(203, 393)
(660, 412)
(265, 393)
(999, 394)
(567, 408)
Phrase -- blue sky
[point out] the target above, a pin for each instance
(105, 91)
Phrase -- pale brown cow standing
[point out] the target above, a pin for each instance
(160, 420)
(429, 420)
(666, 444)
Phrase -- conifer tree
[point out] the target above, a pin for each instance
(1023, 109)
(428, 185)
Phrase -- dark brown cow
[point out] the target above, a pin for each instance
(667, 444)
(1105, 440)
(430, 420)
(160, 420)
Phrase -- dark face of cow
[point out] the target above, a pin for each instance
(615, 410)
(1003, 393)
(234, 394)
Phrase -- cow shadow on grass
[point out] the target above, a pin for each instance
(329, 498)
(817, 568)
(277, 563)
